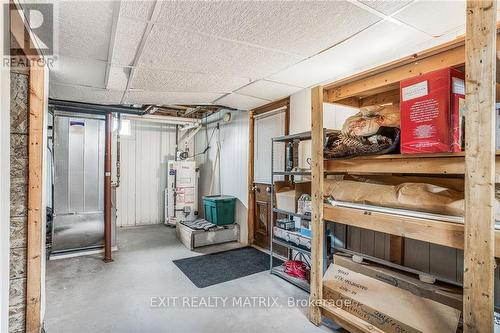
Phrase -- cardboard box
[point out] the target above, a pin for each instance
(430, 118)
(288, 193)
(391, 309)
(443, 293)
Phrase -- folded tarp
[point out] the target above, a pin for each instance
(413, 196)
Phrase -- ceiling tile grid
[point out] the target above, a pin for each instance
(242, 53)
(85, 94)
(241, 102)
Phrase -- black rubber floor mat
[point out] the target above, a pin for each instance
(210, 269)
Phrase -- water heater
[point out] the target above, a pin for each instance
(181, 194)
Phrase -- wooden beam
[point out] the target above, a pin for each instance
(391, 96)
(35, 189)
(448, 58)
(272, 106)
(437, 232)
(251, 193)
(317, 224)
(349, 101)
(480, 76)
(20, 33)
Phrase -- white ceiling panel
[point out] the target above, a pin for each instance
(118, 78)
(154, 97)
(85, 94)
(129, 33)
(84, 28)
(78, 71)
(298, 27)
(386, 7)
(241, 102)
(173, 49)
(268, 90)
(434, 17)
(140, 10)
(160, 80)
(381, 43)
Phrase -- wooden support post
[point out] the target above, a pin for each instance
(251, 193)
(107, 189)
(317, 224)
(35, 189)
(480, 65)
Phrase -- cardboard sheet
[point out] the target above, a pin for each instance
(387, 307)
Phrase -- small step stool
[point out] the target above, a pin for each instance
(192, 238)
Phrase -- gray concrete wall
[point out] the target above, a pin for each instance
(18, 199)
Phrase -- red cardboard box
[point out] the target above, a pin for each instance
(430, 119)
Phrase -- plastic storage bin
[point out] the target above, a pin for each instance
(219, 209)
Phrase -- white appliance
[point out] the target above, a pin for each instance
(181, 194)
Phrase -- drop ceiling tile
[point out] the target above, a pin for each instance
(386, 7)
(118, 78)
(434, 17)
(241, 102)
(161, 80)
(78, 71)
(85, 94)
(179, 50)
(268, 90)
(298, 27)
(140, 10)
(165, 98)
(377, 45)
(84, 28)
(129, 34)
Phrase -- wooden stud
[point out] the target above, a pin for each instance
(317, 224)
(251, 193)
(391, 96)
(480, 74)
(35, 189)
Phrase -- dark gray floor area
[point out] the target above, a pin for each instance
(86, 295)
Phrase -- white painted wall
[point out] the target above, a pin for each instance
(144, 156)
(300, 119)
(233, 166)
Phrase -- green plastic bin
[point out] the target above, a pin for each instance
(219, 209)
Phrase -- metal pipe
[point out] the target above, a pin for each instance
(92, 108)
(163, 119)
(107, 190)
(118, 150)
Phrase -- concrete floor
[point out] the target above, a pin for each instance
(86, 295)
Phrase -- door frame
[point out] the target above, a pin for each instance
(285, 102)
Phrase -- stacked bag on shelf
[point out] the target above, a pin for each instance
(373, 130)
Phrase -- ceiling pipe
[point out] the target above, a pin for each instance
(164, 119)
(93, 108)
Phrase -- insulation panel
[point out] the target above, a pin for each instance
(84, 28)
(161, 80)
(379, 44)
(434, 17)
(129, 33)
(155, 97)
(78, 71)
(283, 25)
(268, 90)
(175, 49)
(85, 94)
(386, 7)
(241, 102)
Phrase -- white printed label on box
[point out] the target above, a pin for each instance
(414, 91)
(457, 86)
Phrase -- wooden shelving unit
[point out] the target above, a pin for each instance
(476, 235)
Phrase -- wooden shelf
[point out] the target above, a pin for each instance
(438, 232)
(441, 163)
